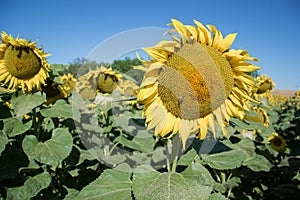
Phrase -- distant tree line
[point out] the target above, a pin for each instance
(83, 65)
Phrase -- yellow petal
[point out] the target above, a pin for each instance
(184, 131)
(181, 29)
(157, 117)
(145, 93)
(168, 125)
(227, 42)
(203, 128)
(205, 36)
(193, 30)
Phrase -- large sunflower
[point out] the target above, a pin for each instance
(22, 64)
(195, 82)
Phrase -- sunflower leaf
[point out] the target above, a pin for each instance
(112, 184)
(31, 187)
(3, 141)
(193, 183)
(59, 109)
(225, 160)
(258, 163)
(52, 151)
(14, 126)
(24, 104)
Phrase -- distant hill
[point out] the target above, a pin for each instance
(285, 93)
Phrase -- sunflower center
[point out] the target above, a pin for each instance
(264, 87)
(107, 83)
(21, 62)
(277, 142)
(195, 81)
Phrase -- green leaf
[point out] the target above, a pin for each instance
(193, 183)
(188, 158)
(14, 126)
(217, 196)
(225, 160)
(112, 184)
(48, 124)
(59, 109)
(3, 141)
(24, 104)
(246, 145)
(52, 151)
(258, 163)
(31, 187)
(233, 182)
(137, 143)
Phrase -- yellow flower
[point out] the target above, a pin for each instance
(265, 84)
(68, 82)
(277, 142)
(108, 80)
(262, 116)
(54, 91)
(22, 64)
(127, 87)
(195, 82)
(297, 94)
(101, 80)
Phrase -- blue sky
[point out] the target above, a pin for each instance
(267, 29)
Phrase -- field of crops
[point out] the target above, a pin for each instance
(170, 129)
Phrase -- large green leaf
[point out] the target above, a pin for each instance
(52, 151)
(3, 141)
(193, 183)
(25, 103)
(140, 144)
(258, 163)
(31, 187)
(59, 109)
(14, 126)
(112, 184)
(225, 160)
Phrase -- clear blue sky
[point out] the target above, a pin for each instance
(268, 29)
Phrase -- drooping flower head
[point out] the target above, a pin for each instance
(103, 80)
(265, 84)
(108, 80)
(53, 91)
(22, 64)
(195, 81)
(262, 116)
(277, 142)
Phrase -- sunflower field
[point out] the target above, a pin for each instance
(195, 120)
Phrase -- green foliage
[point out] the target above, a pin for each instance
(123, 66)
(75, 149)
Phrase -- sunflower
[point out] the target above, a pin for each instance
(277, 142)
(22, 64)
(108, 80)
(194, 82)
(68, 82)
(261, 117)
(54, 91)
(103, 80)
(265, 84)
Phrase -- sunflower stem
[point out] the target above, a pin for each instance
(176, 144)
(35, 125)
(174, 164)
